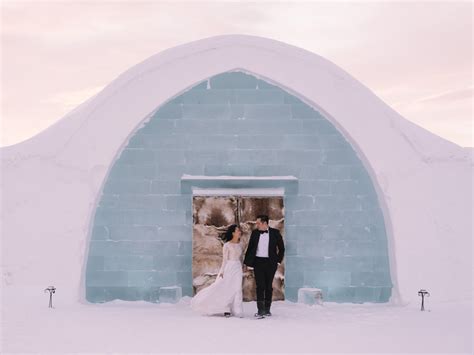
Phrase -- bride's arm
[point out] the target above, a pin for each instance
(225, 257)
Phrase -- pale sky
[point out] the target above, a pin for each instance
(415, 55)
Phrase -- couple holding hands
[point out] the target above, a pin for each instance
(264, 253)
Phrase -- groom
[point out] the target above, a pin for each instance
(264, 253)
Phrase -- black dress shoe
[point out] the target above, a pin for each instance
(227, 314)
(268, 305)
(260, 309)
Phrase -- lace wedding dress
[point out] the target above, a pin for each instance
(225, 294)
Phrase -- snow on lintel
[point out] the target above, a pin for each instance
(239, 192)
(228, 177)
(265, 184)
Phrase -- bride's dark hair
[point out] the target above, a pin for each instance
(228, 234)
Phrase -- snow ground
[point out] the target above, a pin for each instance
(29, 326)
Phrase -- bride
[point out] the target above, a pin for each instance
(225, 294)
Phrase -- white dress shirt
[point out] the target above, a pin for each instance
(262, 247)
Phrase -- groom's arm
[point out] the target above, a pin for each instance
(249, 248)
(281, 247)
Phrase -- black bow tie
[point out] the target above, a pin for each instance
(262, 232)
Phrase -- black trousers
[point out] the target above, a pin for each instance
(264, 271)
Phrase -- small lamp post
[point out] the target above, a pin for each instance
(423, 293)
(51, 290)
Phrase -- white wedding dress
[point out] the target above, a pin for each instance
(225, 294)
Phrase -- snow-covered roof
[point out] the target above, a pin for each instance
(365, 120)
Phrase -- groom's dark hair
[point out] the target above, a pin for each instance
(263, 218)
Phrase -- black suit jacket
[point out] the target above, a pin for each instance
(276, 248)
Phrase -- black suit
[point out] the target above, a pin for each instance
(265, 268)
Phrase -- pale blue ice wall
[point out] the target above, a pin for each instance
(238, 125)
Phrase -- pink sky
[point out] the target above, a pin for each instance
(416, 56)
